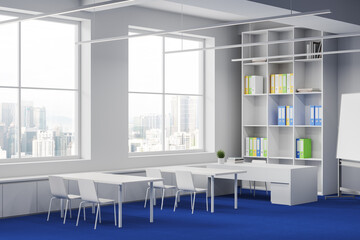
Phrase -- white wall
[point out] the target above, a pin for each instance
(349, 82)
(109, 95)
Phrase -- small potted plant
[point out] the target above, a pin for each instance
(221, 156)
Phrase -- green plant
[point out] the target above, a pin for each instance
(220, 154)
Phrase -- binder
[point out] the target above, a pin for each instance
(280, 83)
(254, 147)
(250, 147)
(312, 115)
(291, 83)
(265, 147)
(287, 115)
(297, 148)
(272, 83)
(279, 115)
(246, 84)
(258, 147)
(288, 82)
(305, 148)
(247, 147)
(262, 147)
(284, 87)
(250, 85)
(291, 115)
(277, 83)
(257, 84)
(318, 115)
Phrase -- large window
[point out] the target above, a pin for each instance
(165, 94)
(38, 89)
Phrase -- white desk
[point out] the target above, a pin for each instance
(290, 184)
(116, 179)
(208, 172)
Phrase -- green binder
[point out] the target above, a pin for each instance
(305, 149)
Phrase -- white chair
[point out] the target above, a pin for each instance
(58, 190)
(89, 195)
(258, 162)
(185, 183)
(156, 173)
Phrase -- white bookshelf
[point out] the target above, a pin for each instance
(259, 112)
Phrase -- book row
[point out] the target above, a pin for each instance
(256, 147)
(254, 84)
(303, 148)
(285, 115)
(282, 83)
(316, 115)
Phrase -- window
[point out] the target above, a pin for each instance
(38, 89)
(165, 94)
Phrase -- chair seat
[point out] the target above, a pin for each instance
(104, 200)
(73, 196)
(199, 190)
(169, 186)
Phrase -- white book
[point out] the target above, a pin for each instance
(288, 83)
(262, 147)
(250, 146)
(277, 83)
(247, 147)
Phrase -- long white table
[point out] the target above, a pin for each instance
(119, 180)
(290, 184)
(210, 173)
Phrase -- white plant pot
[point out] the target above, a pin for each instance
(221, 160)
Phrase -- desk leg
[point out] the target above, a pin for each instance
(212, 193)
(120, 206)
(235, 191)
(151, 202)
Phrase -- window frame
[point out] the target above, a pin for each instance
(76, 90)
(164, 94)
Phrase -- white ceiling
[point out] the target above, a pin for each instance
(233, 10)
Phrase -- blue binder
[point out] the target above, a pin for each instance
(297, 148)
(281, 115)
(318, 115)
(258, 147)
(312, 115)
(291, 117)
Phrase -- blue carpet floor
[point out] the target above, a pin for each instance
(256, 218)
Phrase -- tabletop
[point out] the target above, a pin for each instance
(108, 178)
(201, 170)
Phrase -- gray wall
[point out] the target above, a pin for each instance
(109, 101)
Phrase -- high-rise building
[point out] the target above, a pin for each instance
(8, 113)
(44, 144)
(39, 118)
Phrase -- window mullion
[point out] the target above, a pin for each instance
(19, 91)
(163, 92)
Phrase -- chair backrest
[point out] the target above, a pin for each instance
(88, 190)
(155, 173)
(57, 187)
(184, 180)
(258, 161)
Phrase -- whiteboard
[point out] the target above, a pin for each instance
(348, 146)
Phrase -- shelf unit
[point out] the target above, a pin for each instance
(259, 112)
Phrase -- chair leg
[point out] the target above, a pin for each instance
(84, 213)
(66, 208)
(115, 212)
(250, 187)
(193, 203)
(207, 204)
(51, 199)
(146, 196)
(70, 208)
(154, 197)
(191, 200)
(77, 221)
(97, 214)
(240, 186)
(176, 197)
(162, 199)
